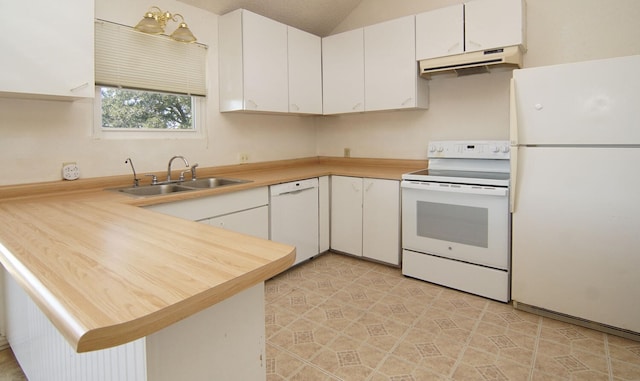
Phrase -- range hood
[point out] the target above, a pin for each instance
(472, 63)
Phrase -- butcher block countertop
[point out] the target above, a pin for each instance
(106, 272)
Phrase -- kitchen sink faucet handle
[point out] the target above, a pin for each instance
(154, 178)
(181, 178)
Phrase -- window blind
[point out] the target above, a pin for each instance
(127, 58)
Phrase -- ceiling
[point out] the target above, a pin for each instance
(319, 17)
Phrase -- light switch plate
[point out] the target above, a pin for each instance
(70, 171)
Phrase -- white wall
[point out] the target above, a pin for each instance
(37, 136)
(477, 107)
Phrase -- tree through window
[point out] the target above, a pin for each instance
(137, 109)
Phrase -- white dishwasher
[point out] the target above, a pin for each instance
(294, 216)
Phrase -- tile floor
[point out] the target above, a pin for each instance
(9, 368)
(341, 318)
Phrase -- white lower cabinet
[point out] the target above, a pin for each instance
(244, 211)
(324, 223)
(365, 217)
(251, 222)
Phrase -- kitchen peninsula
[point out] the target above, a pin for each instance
(172, 297)
(165, 296)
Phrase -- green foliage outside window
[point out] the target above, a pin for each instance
(136, 109)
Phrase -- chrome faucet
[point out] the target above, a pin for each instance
(186, 163)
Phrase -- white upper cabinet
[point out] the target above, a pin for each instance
(252, 63)
(267, 66)
(343, 72)
(373, 68)
(440, 32)
(305, 72)
(391, 78)
(493, 24)
(47, 49)
(473, 26)
(264, 43)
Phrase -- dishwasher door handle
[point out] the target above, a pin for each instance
(294, 191)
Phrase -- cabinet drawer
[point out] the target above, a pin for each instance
(212, 206)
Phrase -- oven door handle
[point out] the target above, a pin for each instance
(455, 188)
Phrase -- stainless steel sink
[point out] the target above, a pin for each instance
(153, 190)
(212, 182)
(184, 186)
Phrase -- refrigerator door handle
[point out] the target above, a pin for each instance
(513, 182)
(513, 114)
(513, 135)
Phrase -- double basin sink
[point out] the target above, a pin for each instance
(183, 186)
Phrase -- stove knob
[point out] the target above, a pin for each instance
(505, 149)
(440, 148)
(432, 148)
(495, 149)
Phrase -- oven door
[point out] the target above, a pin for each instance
(463, 222)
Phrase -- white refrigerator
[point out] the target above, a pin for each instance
(575, 135)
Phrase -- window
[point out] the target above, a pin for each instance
(138, 109)
(146, 83)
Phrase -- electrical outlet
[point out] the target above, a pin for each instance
(243, 157)
(347, 152)
(70, 171)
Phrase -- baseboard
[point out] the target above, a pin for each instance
(631, 335)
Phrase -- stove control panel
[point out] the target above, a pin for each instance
(470, 149)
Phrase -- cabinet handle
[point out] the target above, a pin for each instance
(453, 47)
(475, 44)
(80, 87)
(368, 187)
(355, 188)
(251, 104)
(357, 106)
(406, 102)
(295, 107)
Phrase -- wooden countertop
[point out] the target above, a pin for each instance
(106, 272)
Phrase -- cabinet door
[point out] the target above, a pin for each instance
(381, 220)
(390, 65)
(493, 24)
(323, 214)
(305, 72)
(253, 222)
(440, 32)
(346, 214)
(47, 48)
(343, 72)
(265, 64)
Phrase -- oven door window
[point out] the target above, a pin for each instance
(454, 223)
(469, 227)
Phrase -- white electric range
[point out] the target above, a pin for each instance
(455, 218)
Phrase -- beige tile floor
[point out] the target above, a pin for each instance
(341, 318)
(9, 368)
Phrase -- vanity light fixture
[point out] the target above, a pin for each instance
(155, 19)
